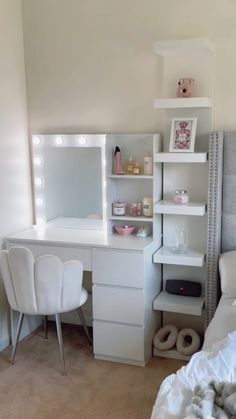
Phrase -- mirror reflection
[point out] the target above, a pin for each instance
(72, 188)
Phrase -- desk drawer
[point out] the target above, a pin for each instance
(122, 305)
(64, 253)
(120, 341)
(118, 268)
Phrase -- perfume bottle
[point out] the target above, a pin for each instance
(130, 165)
(117, 162)
(136, 168)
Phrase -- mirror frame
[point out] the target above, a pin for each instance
(63, 141)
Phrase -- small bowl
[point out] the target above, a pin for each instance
(124, 229)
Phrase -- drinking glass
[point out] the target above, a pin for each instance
(180, 241)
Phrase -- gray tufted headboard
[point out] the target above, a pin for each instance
(221, 210)
(229, 193)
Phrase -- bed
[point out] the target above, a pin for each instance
(217, 359)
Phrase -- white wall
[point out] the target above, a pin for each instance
(91, 68)
(15, 193)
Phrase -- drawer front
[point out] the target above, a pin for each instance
(64, 253)
(124, 305)
(118, 268)
(120, 341)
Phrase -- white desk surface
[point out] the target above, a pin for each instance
(73, 237)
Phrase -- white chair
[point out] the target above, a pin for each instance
(44, 287)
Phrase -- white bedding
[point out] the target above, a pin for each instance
(218, 363)
(223, 322)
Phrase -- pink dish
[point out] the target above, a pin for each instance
(124, 229)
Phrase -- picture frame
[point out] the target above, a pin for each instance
(182, 135)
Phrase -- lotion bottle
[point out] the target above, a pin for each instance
(147, 164)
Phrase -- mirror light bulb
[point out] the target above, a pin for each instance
(82, 140)
(38, 181)
(59, 141)
(39, 202)
(38, 161)
(36, 140)
(40, 221)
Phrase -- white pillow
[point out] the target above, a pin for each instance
(227, 267)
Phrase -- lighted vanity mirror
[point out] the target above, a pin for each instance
(69, 180)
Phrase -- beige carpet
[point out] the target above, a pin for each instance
(34, 387)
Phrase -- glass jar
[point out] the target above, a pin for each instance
(181, 197)
(118, 208)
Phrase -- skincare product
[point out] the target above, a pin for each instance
(147, 207)
(147, 164)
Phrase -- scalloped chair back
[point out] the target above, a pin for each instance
(44, 286)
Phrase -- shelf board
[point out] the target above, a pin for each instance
(168, 207)
(180, 157)
(189, 258)
(173, 354)
(130, 218)
(183, 46)
(139, 177)
(189, 102)
(179, 304)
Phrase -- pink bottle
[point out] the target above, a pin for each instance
(118, 164)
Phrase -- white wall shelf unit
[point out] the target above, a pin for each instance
(168, 207)
(183, 46)
(136, 177)
(179, 59)
(130, 218)
(179, 304)
(191, 257)
(133, 188)
(189, 102)
(180, 157)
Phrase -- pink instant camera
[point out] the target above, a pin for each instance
(185, 87)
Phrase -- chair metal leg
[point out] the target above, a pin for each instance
(19, 326)
(81, 315)
(12, 326)
(45, 323)
(59, 335)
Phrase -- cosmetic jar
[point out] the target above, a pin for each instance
(181, 197)
(118, 207)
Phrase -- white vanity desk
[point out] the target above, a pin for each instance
(125, 283)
